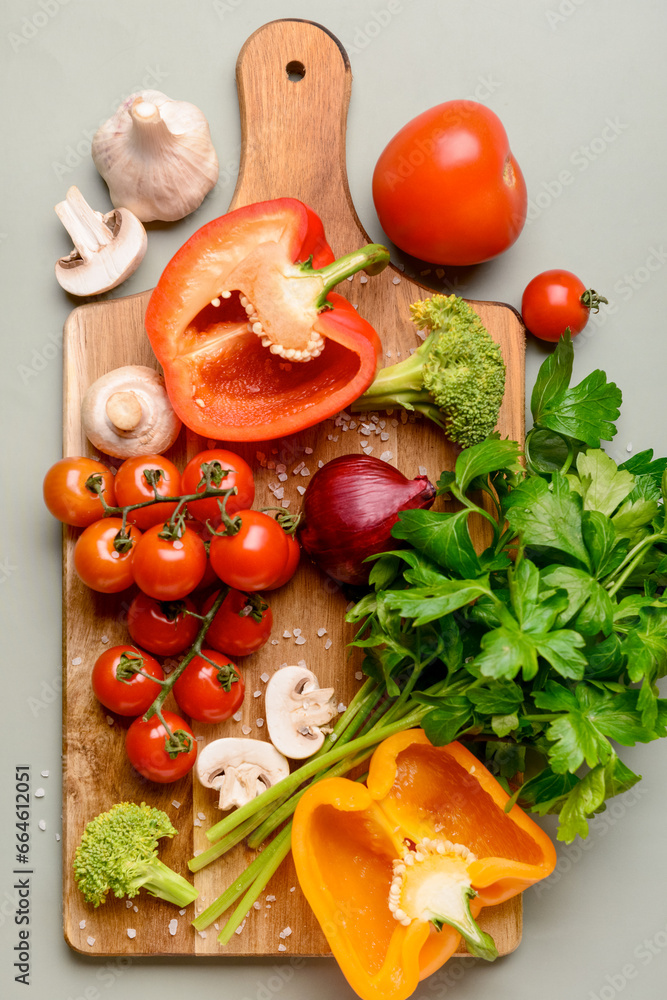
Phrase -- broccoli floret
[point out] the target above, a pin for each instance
(118, 853)
(455, 378)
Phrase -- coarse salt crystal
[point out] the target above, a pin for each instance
(320, 464)
(350, 277)
(245, 730)
(300, 639)
(128, 904)
(197, 853)
(173, 926)
(76, 661)
(305, 471)
(287, 634)
(57, 836)
(201, 815)
(136, 909)
(237, 716)
(202, 934)
(300, 663)
(274, 642)
(341, 708)
(384, 436)
(285, 503)
(292, 888)
(44, 774)
(301, 490)
(260, 723)
(39, 793)
(363, 279)
(309, 451)
(321, 631)
(196, 822)
(104, 638)
(297, 468)
(42, 824)
(257, 694)
(176, 804)
(240, 927)
(358, 676)
(422, 470)
(396, 281)
(279, 493)
(270, 899)
(91, 941)
(82, 924)
(282, 477)
(281, 947)
(131, 932)
(182, 912)
(285, 932)
(328, 644)
(264, 677)
(257, 905)
(386, 456)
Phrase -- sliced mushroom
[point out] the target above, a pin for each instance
(240, 769)
(127, 412)
(297, 711)
(107, 248)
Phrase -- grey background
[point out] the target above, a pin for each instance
(556, 71)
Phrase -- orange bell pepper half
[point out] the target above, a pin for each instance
(397, 870)
(253, 343)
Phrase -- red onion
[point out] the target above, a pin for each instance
(349, 509)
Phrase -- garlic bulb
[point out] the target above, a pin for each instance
(156, 156)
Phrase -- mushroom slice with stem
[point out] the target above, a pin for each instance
(240, 769)
(127, 413)
(298, 711)
(107, 248)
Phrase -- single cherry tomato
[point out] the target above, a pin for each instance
(209, 692)
(118, 687)
(104, 556)
(134, 485)
(225, 470)
(67, 496)
(253, 557)
(291, 566)
(447, 188)
(555, 300)
(157, 755)
(162, 627)
(168, 568)
(242, 624)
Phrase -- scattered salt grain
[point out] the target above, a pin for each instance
(176, 804)
(104, 638)
(136, 909)
(301, 490)
(320, 462)
(363, 279)
(82, 924)
(279, 493)
(131, 932)
(296, 631)
(396, 281)
(321, 631)
(42, 824)
(384, 436)
(257, 694)
(196, 822)
(237, 716)
(300, 639)
(350, 277)
(287, 634)
(90, 941)
(292, 888)
(128, 904)
(285, 503)
(270, 899)
(173, 926)
(257, 906)
(76, 661)
(240, 928)
(264, 677)
(305, 471)
(260, 723)
(202, 934)
(300, 663)
(309, 451)
(274, 642)
(328, 644)
(386, 456)
(282, 477)
(57, 836)
(358, 676)
(39, 794)
(245, 730)
(422, 470)
(281, 947)
(297, 468)
(285, 932)
(628, 447)
(197, 853)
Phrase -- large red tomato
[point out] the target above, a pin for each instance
(447, 188)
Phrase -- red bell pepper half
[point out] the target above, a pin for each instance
(253, 344)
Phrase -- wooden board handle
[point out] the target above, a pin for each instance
(294, 83)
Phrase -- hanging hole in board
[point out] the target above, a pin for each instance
(295, 70)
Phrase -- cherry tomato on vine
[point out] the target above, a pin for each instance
(156, 755)
(555, 300)
(447, 188)
(133, 486)
(253, 557)
(104, 558)
(162, 627)
(239, 474)
(118, 688)
(208, 692)
(291, 566)
(168, 568)
(242, 625)
(69, 499)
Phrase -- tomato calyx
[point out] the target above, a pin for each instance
(288, 522)
(177, 742)
(591, 300)
(95, 485)
(129, 665)
(123, 540)
(212, 475)
(230, 523)
(255, 608)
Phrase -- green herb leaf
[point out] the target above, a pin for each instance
(445, 724)
(442, 537)
(425, 604)
(490, 455)
(550, 519)
(602, 485)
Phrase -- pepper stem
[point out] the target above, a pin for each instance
(372, 259)
(480, 944)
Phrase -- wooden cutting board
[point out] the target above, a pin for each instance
(294, 84)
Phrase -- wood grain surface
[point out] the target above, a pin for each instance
(293, 145)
